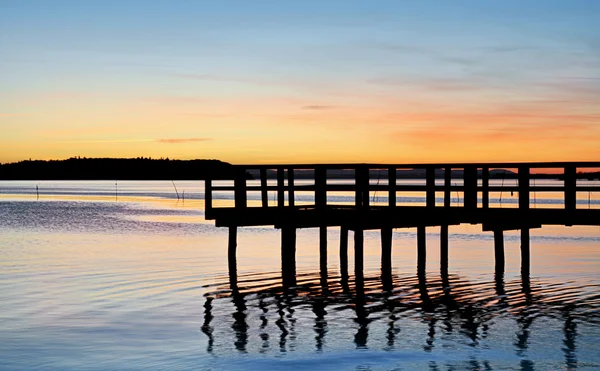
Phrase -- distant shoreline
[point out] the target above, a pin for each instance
(142, 169)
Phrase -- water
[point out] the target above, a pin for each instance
(93, 280)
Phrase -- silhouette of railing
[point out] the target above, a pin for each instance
(471, 181)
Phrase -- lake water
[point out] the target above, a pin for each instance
(93, 279)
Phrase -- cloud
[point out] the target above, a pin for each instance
(182, 140)
(317, 107)
(434, 84)
(14, 114)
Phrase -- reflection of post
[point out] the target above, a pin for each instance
(288, 256)
(421, 249)
(425, 299)
(320, 322)
(206, 328)
(280, 323)
(525, 252)
(240, 326)
(444, 249)
(263, 325)
(361, 335)
(232, 258)
(386, 258)
(569, 349)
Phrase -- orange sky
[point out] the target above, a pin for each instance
(512, 83)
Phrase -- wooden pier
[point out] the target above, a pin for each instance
(452, 194)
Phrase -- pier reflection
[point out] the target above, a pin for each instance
(365, 309)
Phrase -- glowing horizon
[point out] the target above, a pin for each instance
(303, 83)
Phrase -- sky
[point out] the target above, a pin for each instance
(301, 81)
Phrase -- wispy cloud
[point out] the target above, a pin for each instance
(160, 140)
(317, 107)
(182, 140)
(14, 114)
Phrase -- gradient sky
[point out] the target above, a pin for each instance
(301, 81)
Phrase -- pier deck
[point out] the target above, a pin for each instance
(446, 194)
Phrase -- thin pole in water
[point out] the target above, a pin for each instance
(116, 194)
(177, 193)
(37, 192)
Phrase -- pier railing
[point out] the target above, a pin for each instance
(367, 184)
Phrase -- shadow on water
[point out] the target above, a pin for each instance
(446, 304)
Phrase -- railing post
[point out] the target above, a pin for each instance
(523, 188)
(280, 188)
(320, 187)
(570, 187)
(392, 187)
(264, 195)
(470, 187)
(240, 189)
(447, 186)
(362, 186)
(485, 188)
(430, 187)
(290, 173)
(208, 198)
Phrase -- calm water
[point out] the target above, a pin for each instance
(91, 280)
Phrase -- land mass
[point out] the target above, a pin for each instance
(116, 168)
(141, 168)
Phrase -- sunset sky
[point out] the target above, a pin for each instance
(301, 81)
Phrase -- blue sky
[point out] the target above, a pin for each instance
(113, 57)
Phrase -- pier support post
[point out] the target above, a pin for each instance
(444, 248)
(231, 257)
(421, 249)
(358, 255)
(386, 258)
(525, 253)
(344, 251)
(499, 250)
(288, 256)
(323, 251)
(386, 249)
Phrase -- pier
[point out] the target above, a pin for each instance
(359, 197)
